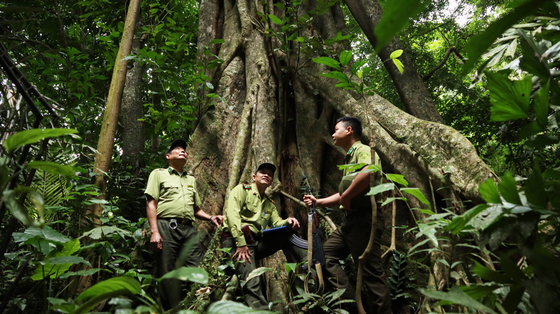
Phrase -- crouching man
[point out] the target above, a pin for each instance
(249, 211)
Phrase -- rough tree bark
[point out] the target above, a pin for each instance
(286, 116)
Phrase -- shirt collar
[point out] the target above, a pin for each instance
(256, 192)
(171, 170)
(353, 148)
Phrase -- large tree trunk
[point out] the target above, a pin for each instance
(287, 116)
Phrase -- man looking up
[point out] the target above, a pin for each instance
(172, 205)
(249, 211)
(353, 235)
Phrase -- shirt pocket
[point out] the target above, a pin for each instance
(169, 190)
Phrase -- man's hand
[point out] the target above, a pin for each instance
(243, 254)
(293, 222)
(217, 220)
(156, 242)
(309, 200)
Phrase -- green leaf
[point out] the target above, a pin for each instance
(63, 260)
(508, 189)
(416, 193)
(327, 61)
(9, 198)
(478, 291)
(336, 75)
(459, 222)
(32, 136)
(381, 188)
(395, 54)
(274, 19)
(345, 57)
(513, 298)
(257, 272)
(541, 104)
(51, 167)
(216, 41)
(193, 274)
(489, 192)
(88, 272)
(110, 288)
(46, 233)
(457, 296)
(490, 275)
(231, 307)
(429, 230)
(552, 52)
(479, 43)
(399, 65)
(542, 140)
(535, 188)
(391, 199)
(397, 178)
(510, 99)
(396, 15)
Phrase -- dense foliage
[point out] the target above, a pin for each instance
(506, 251)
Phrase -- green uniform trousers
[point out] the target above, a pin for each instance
(170, 290)
(265, 246)
(352, 238)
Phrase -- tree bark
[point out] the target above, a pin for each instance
(410, 86)
(133, 134)
(112, 108)
(279, 109)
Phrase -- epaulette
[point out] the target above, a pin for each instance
(351, 150)
(246, 186)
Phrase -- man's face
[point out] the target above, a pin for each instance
(263, 177)
(178, 153)
(341, 133)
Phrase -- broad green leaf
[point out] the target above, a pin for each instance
(418, 194)
(193, 274)
(97, 232)
(456, 296)
(512, 47)
(231, 307)
(351, 167)
(530, 130)
(110, 288)
(274, 19)
(510, 99)
(535, 189)
(88, 272)
(552, 52)
(56, 266)
(46, 233)
(542, 140)
(508, 189)
(381, 188)
(478, 291)
(489, 192)
(336, 75)
(51, 167)
(216, 41)
(490, 275)
(9, 198)
(327, 61)
(395, 54)
(32, 136)
(530, 62)
(513, 298)
(345, 57)
(397, 178)
(399, 65)
(541, 104)
(459, 222)
(396, 15)
(257, 272)
(429, 230)
(391, 199)
(479, 43)
(290, 267)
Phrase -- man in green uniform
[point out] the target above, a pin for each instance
(172, 205)
(353, 235)
(249, 211)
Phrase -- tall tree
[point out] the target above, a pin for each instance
(282, 110)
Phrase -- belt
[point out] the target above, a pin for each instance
(182, 221)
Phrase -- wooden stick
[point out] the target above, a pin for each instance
(321, 214)
(393, 230)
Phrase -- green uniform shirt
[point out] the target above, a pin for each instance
(174, 192)
(245, 207)
(357, 154)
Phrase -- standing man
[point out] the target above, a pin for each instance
(353, 235)
(249, 211)
(172, 205)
